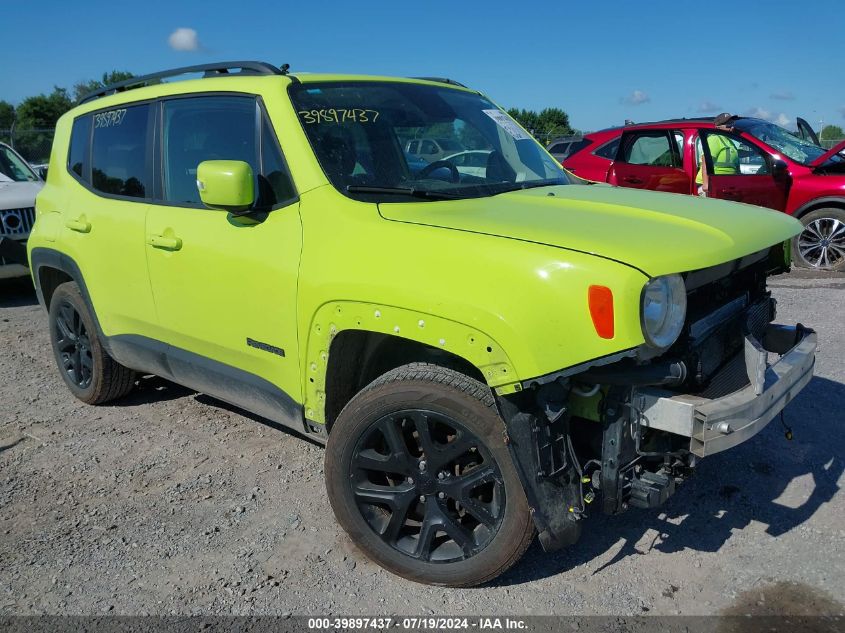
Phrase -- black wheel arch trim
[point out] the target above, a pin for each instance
(41, 257)
(815, 203)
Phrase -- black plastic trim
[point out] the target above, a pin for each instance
(815, 202)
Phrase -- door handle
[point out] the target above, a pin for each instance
(79, 225)
(167, 243)
(631, 180)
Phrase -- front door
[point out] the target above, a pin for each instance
(651, 159)
(225, 286)
(742, 172)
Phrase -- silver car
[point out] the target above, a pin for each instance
(19, 185)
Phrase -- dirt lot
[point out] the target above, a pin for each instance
(167, 502)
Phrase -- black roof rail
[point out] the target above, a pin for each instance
(208, 70)
(442, 80)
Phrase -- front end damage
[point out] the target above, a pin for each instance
(625, 430)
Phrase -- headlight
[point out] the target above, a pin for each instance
(664, 310)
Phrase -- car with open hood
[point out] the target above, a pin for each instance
(746, 159)
(487, 354)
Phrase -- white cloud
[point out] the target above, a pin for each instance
(709, 106)
(761, 113)
(184, 39)
(782, 95)
(637, 97)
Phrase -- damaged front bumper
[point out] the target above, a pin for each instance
(715, 424)
(646, 438)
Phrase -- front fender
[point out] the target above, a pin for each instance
(474, 346)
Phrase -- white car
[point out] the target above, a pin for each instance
(471, 162)
(19, 185)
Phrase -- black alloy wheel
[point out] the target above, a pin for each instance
(427, 486)
(70, 337)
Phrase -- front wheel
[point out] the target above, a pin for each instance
(419, 476)
(821, 244)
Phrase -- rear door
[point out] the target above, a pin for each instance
(742, 172)
(651, 159)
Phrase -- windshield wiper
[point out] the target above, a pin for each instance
(519, 186)
(403, 191)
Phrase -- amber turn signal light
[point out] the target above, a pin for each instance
(600, 299)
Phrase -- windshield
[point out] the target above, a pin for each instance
(788, 144)
(387, 140)
(13, 168)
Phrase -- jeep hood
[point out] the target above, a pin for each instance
(657, 233)
(18, 195)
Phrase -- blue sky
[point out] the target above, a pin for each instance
(602, 62)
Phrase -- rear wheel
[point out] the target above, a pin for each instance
(419, 476)
(822, 242)
(89, 372)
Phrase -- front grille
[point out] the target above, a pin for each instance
(724, 304)
(16, 222)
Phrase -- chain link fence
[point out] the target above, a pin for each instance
(33, 145)
(827, 143)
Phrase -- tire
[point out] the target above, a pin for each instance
(460, 526)
(821, 244)
(88, 371)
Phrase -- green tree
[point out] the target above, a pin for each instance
(7, 115)
(36, 118)
(84, 87)
(546, 124)
(829, 132)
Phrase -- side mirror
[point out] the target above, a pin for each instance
(42, 173)
(226, 184)
(780, 170)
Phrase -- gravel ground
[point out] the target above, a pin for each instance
(168, 502)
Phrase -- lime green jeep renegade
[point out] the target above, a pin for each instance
(488, 346)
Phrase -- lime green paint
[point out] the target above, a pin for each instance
(500, 281)
(226, 184)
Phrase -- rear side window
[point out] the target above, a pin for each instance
(119, 151)
(648, 148)
(78, 155)
(608, 150)
(577, 146)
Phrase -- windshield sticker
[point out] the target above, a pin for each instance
(507, 124)
(339, 115)
(112, 118)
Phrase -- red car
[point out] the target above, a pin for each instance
(748, 160)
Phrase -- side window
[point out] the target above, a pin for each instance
(119, 151)
(274, 183)
(731, 155)
(428, 147)
(558, 148)
(608, 150)
(648, 148)
(196, 129)
(80, 143)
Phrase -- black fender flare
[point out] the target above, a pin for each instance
(818, 202)
(42, 257)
